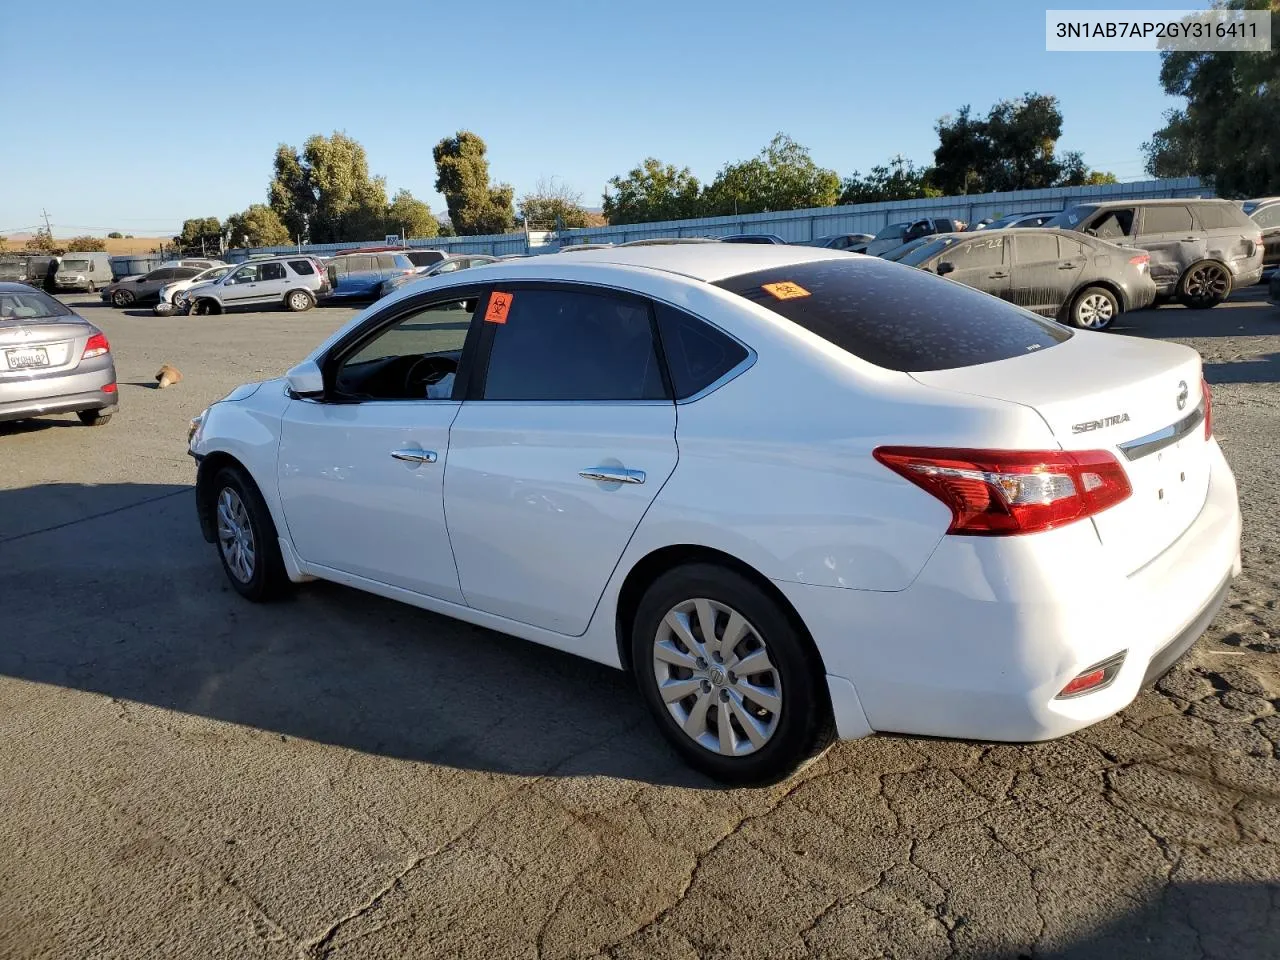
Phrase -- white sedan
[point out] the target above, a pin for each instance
(786, 488)
(169, 292)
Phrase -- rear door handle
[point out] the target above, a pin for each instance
(612, 475)
(414, 456)
(1066, 266)
(997, 276)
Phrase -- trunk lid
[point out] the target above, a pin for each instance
(1138, 399)
(34, 346)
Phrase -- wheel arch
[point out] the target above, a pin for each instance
(208, 469)
(292, 290)
(657, 562)
(1216, 261)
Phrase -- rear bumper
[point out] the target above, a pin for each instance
(980, 645)
(64, 393)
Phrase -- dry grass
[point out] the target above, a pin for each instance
(18, 242)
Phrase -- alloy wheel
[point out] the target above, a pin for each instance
(299, 301)
(1207, 283)
(715, 677)
(1094, 311)
(235, 535)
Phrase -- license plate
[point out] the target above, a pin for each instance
(27, 358)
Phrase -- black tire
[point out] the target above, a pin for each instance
(1204, 285)
(299, 301)
(122, 298)
(1093, 308)
(93, 418)
(804, 718)
(92, 288)
(268, 579)
(205, 307)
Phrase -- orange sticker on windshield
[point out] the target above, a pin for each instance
(499, 307)
(786, 290)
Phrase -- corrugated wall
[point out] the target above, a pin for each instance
(797, 225)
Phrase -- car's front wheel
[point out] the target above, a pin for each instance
(245, 536)
(1094, 308)
(122, 298)
(733, 682)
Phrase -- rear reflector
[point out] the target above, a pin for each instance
(1208, 407)
(1005, 492)
(96, 346)
(1093, 678)
(109, 388)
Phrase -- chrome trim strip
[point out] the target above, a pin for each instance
(1164, 437)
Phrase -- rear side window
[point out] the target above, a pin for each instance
(386, 261)
(359, 264)
(1167, 219)
(697, 353)
(182, 273)
(570, 345)
(337, 267)
(1220, 216)
(302, 267)
(1035, 248)
(1268, 217)
(896, 317)
(272, 271)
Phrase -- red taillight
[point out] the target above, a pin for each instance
(96, 346)
(1142, 261)
(1207, 400)
(1004, 492)
(109, 388)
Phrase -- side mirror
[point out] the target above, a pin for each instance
(945, 267)
(306, 382)
(1090, 231)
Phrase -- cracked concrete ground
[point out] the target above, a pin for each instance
(187, 775)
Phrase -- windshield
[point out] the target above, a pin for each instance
(213, 273)
(892, 230)
(30, 306)
(896, 318)
(74, 265)
(913, 256)
(1070, 218)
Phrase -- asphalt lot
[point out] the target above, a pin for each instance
(184, 774)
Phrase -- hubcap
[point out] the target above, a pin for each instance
(1095, 310)
(715, 677)
(299, 301)
(235, 535)
(1207, 283)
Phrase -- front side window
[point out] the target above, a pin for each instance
(907, 320)
(1113, 225)
(1167, 219)
(1268, 217)
(415, 358)
(570, 345)
(1070, 218)
(246, 274)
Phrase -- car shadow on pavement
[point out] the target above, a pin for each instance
(1247, 313)
(1224, 921)
(147, 615)
(1265, 369)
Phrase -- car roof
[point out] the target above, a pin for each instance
(1152, 202)
(700, 261)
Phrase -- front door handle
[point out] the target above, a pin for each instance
(414, 456)
(1066, 266)
(612, 475)
(998, 275)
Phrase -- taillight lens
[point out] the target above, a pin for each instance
(96, 346)
(1006, 492)
(1142, 261)
(1207, 399)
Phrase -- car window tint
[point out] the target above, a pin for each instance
(302, 267)
(385, 261)
(415, 358)
(182, 273)
(337, 267)
(572, 345)
(1068, 248)
(448, 266)
(1167, 219)
(1268, 216)
(896, 318)
(1035, 248)
(977, 253)
(892, 230)
(272, 271)
(359, 264)
(697, 353)
(1113, 225)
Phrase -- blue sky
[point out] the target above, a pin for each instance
(176, 111)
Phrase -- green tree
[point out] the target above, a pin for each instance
(782, 177)
(653, 191)
(200, 235)
(411, 216)
(258, 226)
(1011, 148)
(115, 235)
(446, 229)
(900, 179)
(326, 194)
(86, 244)
(462, 176)
(1229, 131)
(552, 206)
(290, 193)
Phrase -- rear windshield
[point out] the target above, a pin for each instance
(897, 317)
(32, 305)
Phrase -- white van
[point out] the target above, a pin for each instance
(83, 271)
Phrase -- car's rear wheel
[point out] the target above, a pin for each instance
(93, 418)
(1094, 308)
(122, 298)
(733, 682)
(92, 287)
(1205, 284)
(299, 301)
(245, 536)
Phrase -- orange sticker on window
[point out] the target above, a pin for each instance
(499, 307)
(786, 290)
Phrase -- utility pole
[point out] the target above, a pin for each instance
(47, 229)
